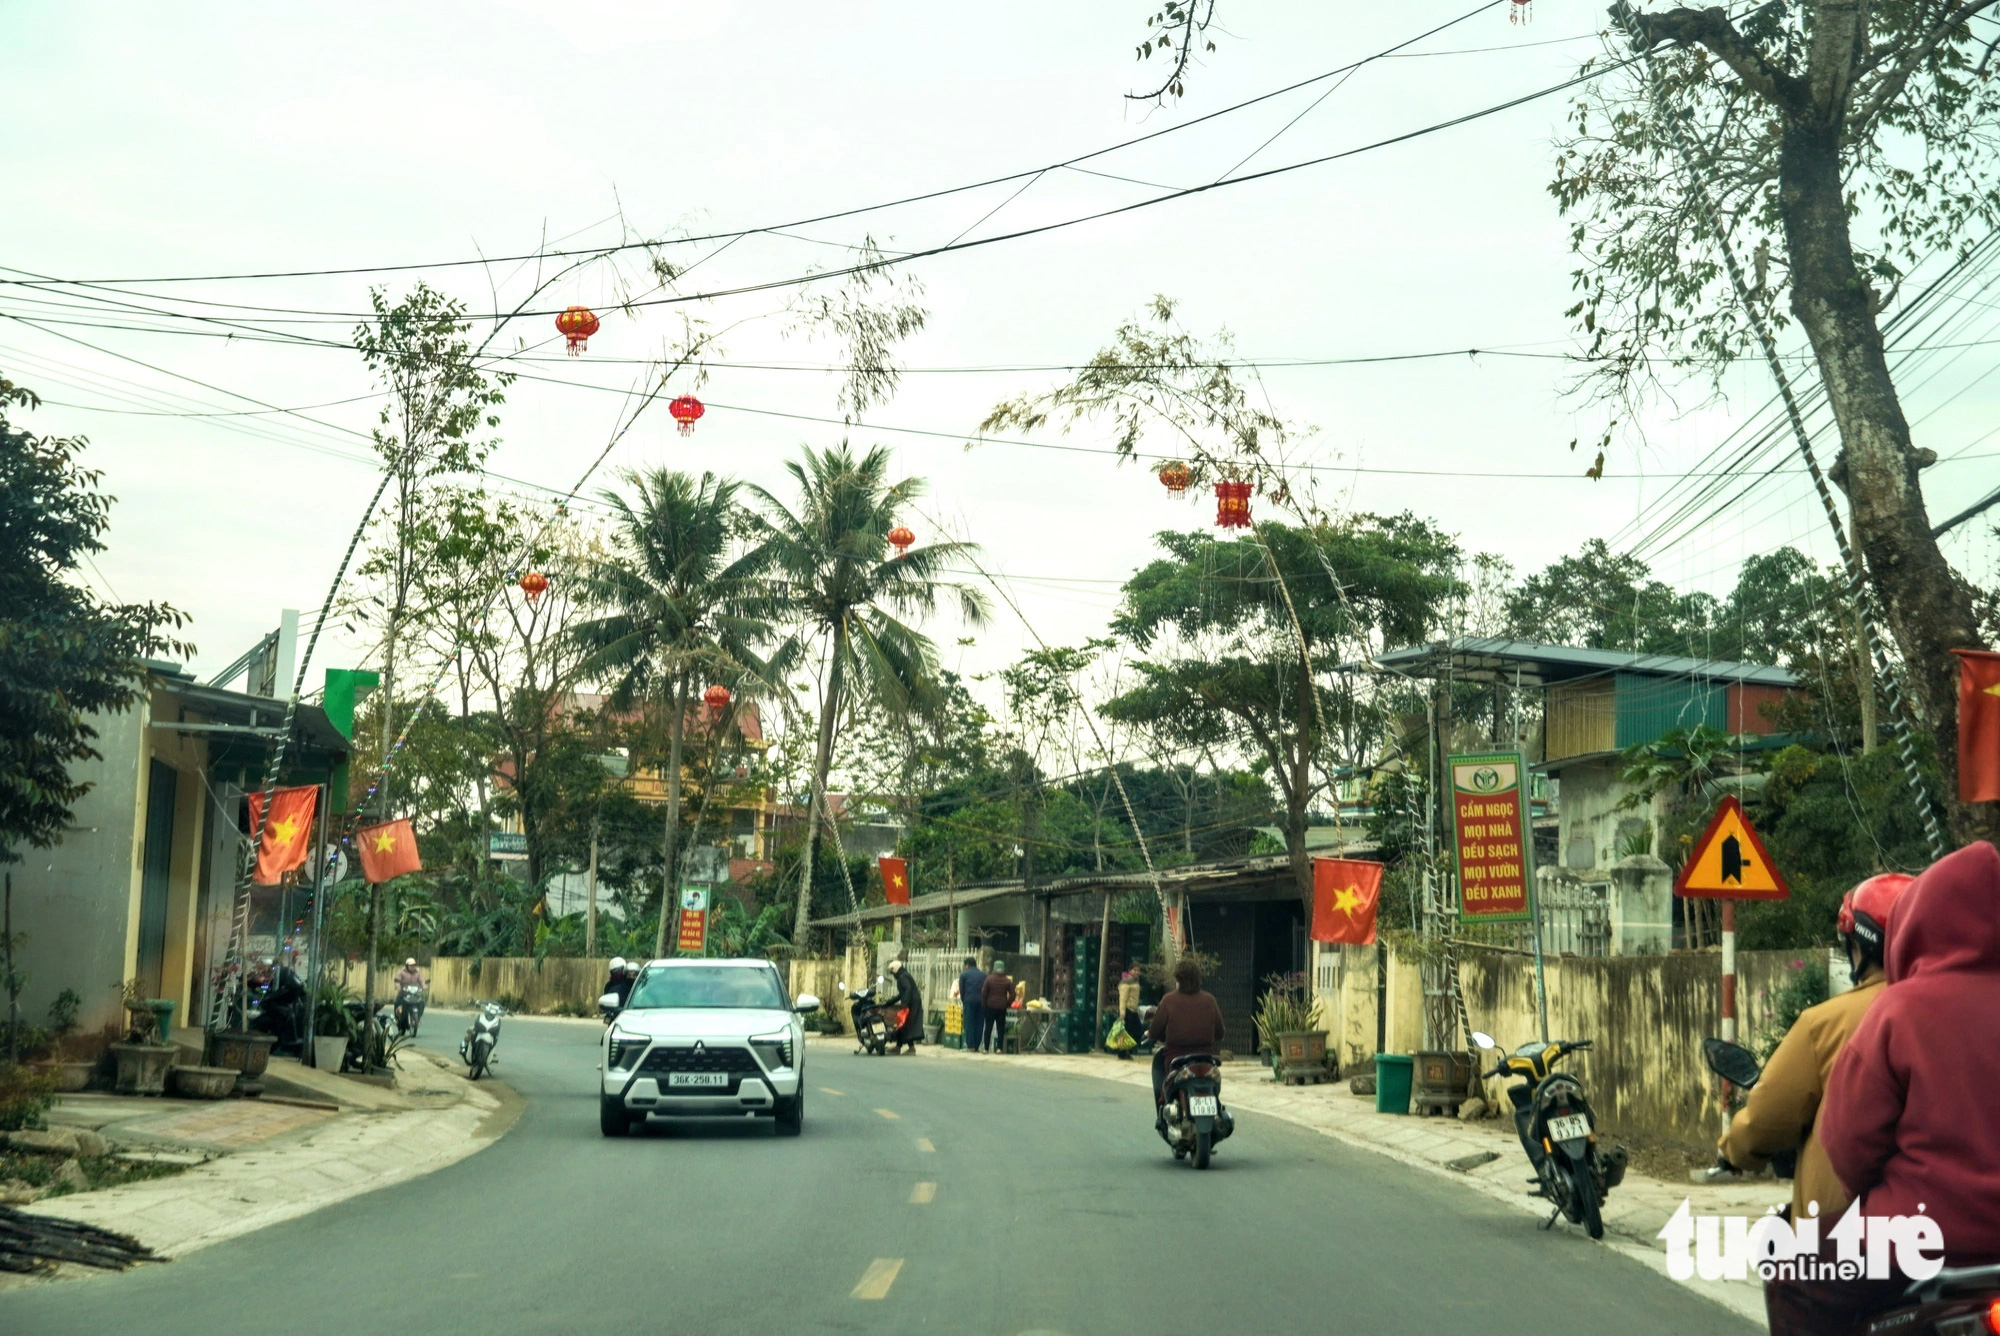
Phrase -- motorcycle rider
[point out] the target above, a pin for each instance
(1187, 1020)
(1908, 1122)
(620, 982)
(1783, 1105)
(407, 977)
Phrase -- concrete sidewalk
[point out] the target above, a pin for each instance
(1633, 1214)
(332, 1138)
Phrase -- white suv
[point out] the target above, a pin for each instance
(706, 1039)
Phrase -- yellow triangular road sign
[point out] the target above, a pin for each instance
(1729, 862)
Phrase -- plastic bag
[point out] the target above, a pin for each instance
(1119, 1040)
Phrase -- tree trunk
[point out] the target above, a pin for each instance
(670, 837)
(1926, 607)
(822, 762)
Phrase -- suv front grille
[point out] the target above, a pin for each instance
(720, 1059)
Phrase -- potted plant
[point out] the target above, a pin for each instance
(46, 1048)
(333, 1025)
(246, 1052)
(1288, 1020)
(142, 1059)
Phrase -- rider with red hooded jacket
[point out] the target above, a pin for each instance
(1910, 1122)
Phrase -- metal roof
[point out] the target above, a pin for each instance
(1489, 658)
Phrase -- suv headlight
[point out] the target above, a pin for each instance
(773, 1050)
(625, 1050)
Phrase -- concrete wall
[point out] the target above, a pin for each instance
(1592, 824)
(1646, 1014)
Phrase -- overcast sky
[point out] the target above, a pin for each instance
(218, 139)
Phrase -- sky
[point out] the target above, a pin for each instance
(216, 139)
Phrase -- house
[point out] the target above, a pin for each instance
(143, 882)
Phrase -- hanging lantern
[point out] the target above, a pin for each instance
(1232, 505)
(534, 584)
(1519, 11)
(900, 538)
(576, 324)
(1175, 477)
(685, 410)
(716, 698)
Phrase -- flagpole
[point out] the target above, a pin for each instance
(314, 973)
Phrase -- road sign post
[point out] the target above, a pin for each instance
(1496, 877)
(1729, 863)
(692, 939)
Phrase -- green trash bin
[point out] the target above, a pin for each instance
(1392, 1082)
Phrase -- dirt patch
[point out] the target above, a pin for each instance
(45, 1172)
(1666, 1158)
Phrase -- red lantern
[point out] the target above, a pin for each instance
(576, 324)
(717, 698)
(1175, 477)
(900, 538)
(1518, 12)
(685, 410)
(1232, 505)
(534, 584)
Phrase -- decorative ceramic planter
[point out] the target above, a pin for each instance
(1441, 1081)
(329, 1051)
(142, 1068)
(1301, 1050)
(70, 1076)
(244, 1051)
(204, 1082)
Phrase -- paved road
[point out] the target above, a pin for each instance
(979, 1201)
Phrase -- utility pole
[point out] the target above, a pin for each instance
(590, 901)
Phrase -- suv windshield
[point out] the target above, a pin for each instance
(708, 986)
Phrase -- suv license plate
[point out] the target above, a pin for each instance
(697, 1079)
(1575, 1127)
(1201, 1106)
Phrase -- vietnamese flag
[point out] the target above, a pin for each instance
(287, 832)
(1978, 726)
(1344, 894)
(388, 850)
(895, 880)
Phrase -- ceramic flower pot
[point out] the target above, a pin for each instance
(142, 1068)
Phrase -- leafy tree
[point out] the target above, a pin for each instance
(64, 654)
(680, 614)
(845, 593)
(1599, 599)
(1272, 599)
(1839, 145)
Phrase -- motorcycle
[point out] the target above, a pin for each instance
(1559, 1131)
(409, 1009)
(1738, 1066)
(873, 1023)
(1191, 1119)
(280, 1010)
(370, 1045)
(1957, 1301)
(476, 1049)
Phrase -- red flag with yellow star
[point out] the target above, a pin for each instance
(895, 880)
(287, 832)
(388, 850)
(1978, 726)
(1344, 894)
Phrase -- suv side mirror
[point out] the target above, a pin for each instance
(609, 1002)
(805, 1003)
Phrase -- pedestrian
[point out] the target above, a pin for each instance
(1188, 1020)
(996, 996)
(910, 1001)
(1908, 1120)
(1783, 1105)
(972, 1026)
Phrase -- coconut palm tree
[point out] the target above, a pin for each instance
(830, 564)
(678, 613)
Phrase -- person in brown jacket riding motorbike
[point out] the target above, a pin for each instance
(1784, 1104)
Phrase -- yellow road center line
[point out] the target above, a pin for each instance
(922, 1194)
(829, 1090)
(924, 1145)
(877, 1279)
(890, 1114)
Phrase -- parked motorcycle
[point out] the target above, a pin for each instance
(1957, 1301)
(410, 1002)
(279, 1010)
(371, 1036)
(1191, 1119)
(873, 1023)
(1738, 1066)
(476, 1049)
(1559, 1131)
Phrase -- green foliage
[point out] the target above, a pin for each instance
(25, 1095)
(439, 395)
(64, 654)
(1288, 1006)
(1804, 984)
(1683, 762)
(733, 931)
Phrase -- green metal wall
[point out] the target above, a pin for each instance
(1648, 707)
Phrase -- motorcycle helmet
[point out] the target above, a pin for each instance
(1865, 915)
(617, 964)
(410, 964)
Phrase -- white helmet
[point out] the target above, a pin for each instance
(617, 963)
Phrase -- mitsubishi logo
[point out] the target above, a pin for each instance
(700, 1047)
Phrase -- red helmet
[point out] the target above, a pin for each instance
(1865, 911)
